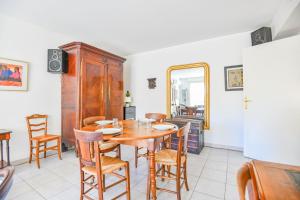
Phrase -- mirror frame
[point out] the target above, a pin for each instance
(203, 65)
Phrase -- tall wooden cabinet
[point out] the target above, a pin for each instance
(92, 86)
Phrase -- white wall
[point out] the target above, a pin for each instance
(23, 41)
(226, 107)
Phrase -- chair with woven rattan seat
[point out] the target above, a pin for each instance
(39, 137)
(94, 165)
(175, 158)
(158, 117)
(246, 179)
(105, 147)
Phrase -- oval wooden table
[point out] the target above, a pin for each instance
(137, 135)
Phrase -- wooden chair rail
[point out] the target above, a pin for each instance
(40, 124)
(37, 130)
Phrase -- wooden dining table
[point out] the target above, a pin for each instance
(136, 134)
(276, 181)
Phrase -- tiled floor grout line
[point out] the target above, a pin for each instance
(31, 188)
(198, 180)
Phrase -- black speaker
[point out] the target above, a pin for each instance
(57, 61)
(261, 36)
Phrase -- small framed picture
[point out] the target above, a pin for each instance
(233, 78)
(13, 75)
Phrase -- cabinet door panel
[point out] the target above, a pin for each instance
(92, 88)
(115, 90)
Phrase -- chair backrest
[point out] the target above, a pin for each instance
(182, 135)
(159, 117)
(37, 125)
(245, 179)
(91, 120)
(87, 144)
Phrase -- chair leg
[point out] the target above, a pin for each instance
(127, 181)
(178, 184)
(81, 184)
(136, 156)
(37, 154)
(103, 182)
(59, 148)
(30, 154)
(185, 177)
(169, 170)
(163, 168)
(45, 151)
(119, 152)
(148, 186)
(100, 186)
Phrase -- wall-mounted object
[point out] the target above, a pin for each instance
(261, 36)
(57, 61)
(233, 78)
(188, 92)
(13, 75)
(151, 83)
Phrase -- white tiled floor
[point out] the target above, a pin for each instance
(211, 176)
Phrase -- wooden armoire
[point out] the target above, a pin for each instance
(93, 86)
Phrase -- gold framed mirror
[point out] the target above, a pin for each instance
(188, 92)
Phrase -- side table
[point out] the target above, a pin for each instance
(4, 135)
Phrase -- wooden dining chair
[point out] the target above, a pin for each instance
(39, 137)
(94, 165)
(246, 179)
(158, 117)
(104, 146)
(174, 158)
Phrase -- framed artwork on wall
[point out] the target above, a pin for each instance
(13, 75)
(233, 78)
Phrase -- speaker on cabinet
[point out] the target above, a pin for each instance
(57, 61)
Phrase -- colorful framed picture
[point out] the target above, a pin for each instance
(233, 78)
(13, 75)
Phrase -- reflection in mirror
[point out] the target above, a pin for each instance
(188, 92)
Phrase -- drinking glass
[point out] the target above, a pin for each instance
(148, 124)
(115, 122)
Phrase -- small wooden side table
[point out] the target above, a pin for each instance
(4, 135)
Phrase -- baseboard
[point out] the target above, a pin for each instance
(25, 160)
(220, 146)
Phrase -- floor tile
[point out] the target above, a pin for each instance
(71, 193)
(215, 175)
(216, 165)
(231, 193)
(210, 187)
(231, 178)
(53, 188)
(31, 195)
(200, 196)
(18, 188)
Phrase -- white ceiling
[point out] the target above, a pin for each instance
(133, 26)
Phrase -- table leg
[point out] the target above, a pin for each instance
(152, 170)
(1, 146)
(7, 152)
